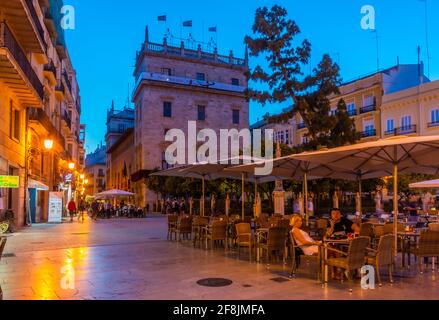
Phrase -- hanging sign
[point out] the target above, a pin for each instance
(9, 182)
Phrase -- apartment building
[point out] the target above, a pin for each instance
(176, 84)
(364, 99)
(95, 170)
(39, 101)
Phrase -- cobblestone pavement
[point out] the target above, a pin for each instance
(131, 259)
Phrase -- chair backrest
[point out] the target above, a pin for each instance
(185, 224)
(242, 228)
(357, 252)
(433, 227)
(276, 238)
(388, 227)
(378, 231)
(429, 244)
(284, 223)
(322, 223)
(385, 250)
(200, 221)
(219, 230)
(273, 221)
(247, 219)
(172, 218)
(366, 230)
(2, 245)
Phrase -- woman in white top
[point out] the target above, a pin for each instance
(302, 238)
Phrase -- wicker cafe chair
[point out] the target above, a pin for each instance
(275, 243)
(172, 226)
(2, 247)
(353, 260)
(428, 247)
(184, 227)
(383, 256)
(218, 232)
(244, 237)
(378, 232)
(297, 255)
(366, 230)
(321, 226)
(197, 226)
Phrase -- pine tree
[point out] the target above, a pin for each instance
(274, 36)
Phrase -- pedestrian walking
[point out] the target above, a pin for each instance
(71, 207)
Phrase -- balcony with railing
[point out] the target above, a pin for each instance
(23, 80)
(369, 133)
(433, 124)
(36, 21)
(39, 118)
(352, 112)
(60, 90)
(50, 71)
(67, 81)
(198, 54)
(178, 80)
(368, 108)
(22, 18)
(404, 130)
(66, 118)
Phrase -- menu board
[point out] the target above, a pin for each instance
(55, 207)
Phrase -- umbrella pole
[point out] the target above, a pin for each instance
(255, 198)
(305, 187)
(395, 207)
(202, 197)
(360, 217)
(242, 198)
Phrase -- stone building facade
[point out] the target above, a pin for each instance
(175, 85)
(95, 170)
(39, 100)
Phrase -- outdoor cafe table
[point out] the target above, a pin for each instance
(323, 254)
(260, 234)
(408, 239)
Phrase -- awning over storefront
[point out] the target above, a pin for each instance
(34, 184)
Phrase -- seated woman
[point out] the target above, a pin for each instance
(302, 238)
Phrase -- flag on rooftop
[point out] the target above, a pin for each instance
(187, 23)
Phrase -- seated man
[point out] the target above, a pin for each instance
(338, 225)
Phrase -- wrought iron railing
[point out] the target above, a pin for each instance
(369, 108)
(190, 53)
(369, 133)
(37, 114)
(8, 41)
(36, 21)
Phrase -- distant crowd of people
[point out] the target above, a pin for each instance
(104, 210)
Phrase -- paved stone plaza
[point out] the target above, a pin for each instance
(131, 259)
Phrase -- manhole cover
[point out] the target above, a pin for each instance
(214, 282)
(280, 279)
(247, 285)
(8, 255)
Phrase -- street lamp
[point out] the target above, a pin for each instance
(86, 181)
(48, 144)
(71, 165)
(82, 176)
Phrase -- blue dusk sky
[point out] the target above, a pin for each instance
(108, 33)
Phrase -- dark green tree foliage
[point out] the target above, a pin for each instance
(274, 37)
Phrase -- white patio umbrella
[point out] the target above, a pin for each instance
(391, 156)
(212, 171)
(429, 184)
(110, 194)
(289, 167)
